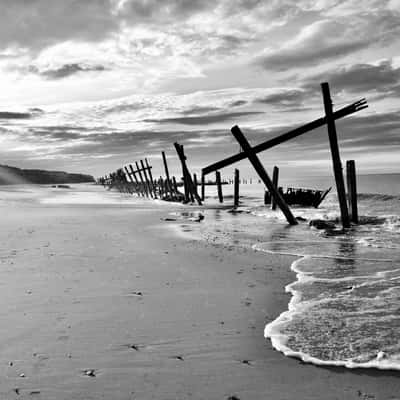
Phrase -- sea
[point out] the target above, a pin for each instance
(344, 308)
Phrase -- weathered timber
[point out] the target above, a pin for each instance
(174, 184)
(275, 178)
(236, 189)
(343, 112)
(262, 173)
(203, 187)
(352, 190)
(195, 183)
(337, 164)
(186, 174)
(169, 184)
(146, 178)
(148, 167)
(139, 187)
(145, 190)
(219, 186)
(130, 182)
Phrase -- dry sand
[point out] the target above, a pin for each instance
(154, 315)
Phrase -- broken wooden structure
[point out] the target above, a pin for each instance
(140, 180)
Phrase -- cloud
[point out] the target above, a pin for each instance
(14, 115)
(284, 97)
(66, 70)
(320, 41)
(360, 78)
(40, 23)
(206, 119)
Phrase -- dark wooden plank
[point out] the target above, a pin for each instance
(145, 189)
(219, 186)
(275, 178)
(262, 173)
(352, 190)
(148, 167)
(236, 189)
(169, 183)
(186, 174)
(343, 112)
(203, 187)
(337, 164)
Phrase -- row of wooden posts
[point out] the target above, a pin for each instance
(167, 188)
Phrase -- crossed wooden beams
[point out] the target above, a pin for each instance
(251, 153)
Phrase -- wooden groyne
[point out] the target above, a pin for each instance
(140, 180)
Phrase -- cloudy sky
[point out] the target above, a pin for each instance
(90, 85)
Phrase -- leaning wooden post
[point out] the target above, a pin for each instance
(252, 156)
(203, 187)
(130, 180)
(174, 184)
(141, 179)
(146, 178)
(219, 186)
(169, 185)
(275, 177)
(186, 174)
(148, 166)
(337, 164)
(236, 189)
(352, 190)
(138, 188)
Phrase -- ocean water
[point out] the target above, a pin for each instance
(345, 301)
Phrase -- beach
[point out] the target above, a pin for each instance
(103, 300)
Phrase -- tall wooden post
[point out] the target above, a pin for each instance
(275, 178)
(174, 184)
(146, 178)
(145, 189)
(203, 187)
(219, 186)
(352, 190)
(195, 183)
(153, 188)
(186, 174)
(252, 156)
(236, 189)
(169, 184)
(337, 164)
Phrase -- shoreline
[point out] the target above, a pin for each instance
(154, 315)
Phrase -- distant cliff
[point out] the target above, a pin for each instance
(12, 175)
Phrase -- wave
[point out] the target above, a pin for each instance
(377, 196)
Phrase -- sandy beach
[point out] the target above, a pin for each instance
(106, 302)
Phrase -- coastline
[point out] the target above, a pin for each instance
(154, 314)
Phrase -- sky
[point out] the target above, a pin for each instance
(92, 85)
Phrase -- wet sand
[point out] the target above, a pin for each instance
(105, 302)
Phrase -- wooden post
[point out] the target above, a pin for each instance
(169, 185)
(148, 166)
(138, 188)
(195, 183)
(203, 187)
(275, 177)
(219, 186)
(236, 189)
(146, 178)
(175, 185)
(186, 173)
(352, 190)
(252, 156)
(130, 182)
(141, 179)
(337, 164)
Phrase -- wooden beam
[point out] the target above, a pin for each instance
(352, 190)
(138, 187)
(275, 178)
(186, 174)
(141, 179)
(337, 164)
(203, 187)
(148, 167)
(236, 189)
(262, 173)
(169, 184)
(219, 186)
(146, 178)
(343, 112)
